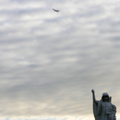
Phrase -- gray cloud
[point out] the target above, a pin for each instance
(51, 61)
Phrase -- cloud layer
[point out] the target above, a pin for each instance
(51, 61)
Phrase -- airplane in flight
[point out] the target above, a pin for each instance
(56, 10)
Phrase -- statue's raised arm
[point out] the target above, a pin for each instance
(93, 95)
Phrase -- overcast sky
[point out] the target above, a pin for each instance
(50, 61)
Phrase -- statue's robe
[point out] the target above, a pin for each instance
(103, 110)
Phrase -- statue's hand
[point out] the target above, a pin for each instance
(92, 91)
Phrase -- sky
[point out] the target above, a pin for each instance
(50, 61)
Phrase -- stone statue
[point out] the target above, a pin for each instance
(103, 109)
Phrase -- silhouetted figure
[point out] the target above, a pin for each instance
(103, 109)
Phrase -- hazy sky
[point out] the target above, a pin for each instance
(50, 61)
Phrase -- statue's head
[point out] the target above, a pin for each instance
(105, 97)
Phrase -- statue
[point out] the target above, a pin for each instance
(103, 109)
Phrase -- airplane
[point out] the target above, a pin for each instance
(55, 10)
